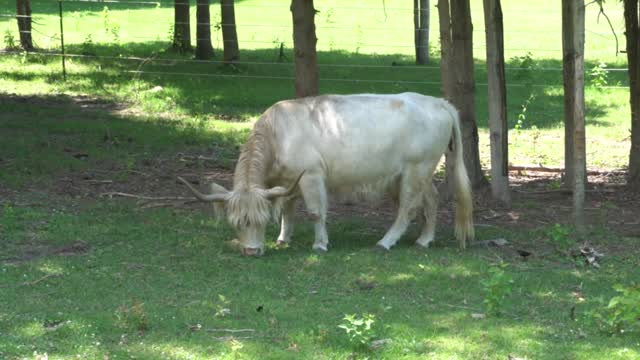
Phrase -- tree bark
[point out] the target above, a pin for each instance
(632, 34)
(497, 102)
(444, 20)
(182, 26)
(23, 8)
(573, 24)
(229, 33)
(304, 44)
(421, 30)
(204, 49)
(464, 87)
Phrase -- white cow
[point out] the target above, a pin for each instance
(345, 144)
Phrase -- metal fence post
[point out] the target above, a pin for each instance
(64, 66)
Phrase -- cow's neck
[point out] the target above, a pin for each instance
(255, 160)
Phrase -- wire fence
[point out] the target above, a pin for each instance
(79, 37)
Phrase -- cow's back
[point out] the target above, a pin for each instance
(356, 139)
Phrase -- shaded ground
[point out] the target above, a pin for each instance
(537, 200)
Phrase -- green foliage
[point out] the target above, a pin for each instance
(111, 25)
(599, 76)
(560, 238)
(621, 314)
(526, 65)
(133, 317)
(497, 288)
(88, 47)
(624, 309)
(9, 40)
(7, 220)
(359, 330)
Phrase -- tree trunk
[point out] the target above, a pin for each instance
(573, 49)
(24, 23)
(304, 44)
(631, 14)
(497, 102)
(204, 50)
(229, 34)
(444, 19)
(181, 27)
(464, 87)
(421, 30)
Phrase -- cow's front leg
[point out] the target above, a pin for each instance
(315, 197)
(286, 226)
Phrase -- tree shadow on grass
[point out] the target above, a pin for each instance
(245, 89)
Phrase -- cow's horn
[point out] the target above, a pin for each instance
(216, 197)
(279, 191)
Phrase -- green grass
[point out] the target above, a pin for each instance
(143, 279)
(532, 41)
(172, 266)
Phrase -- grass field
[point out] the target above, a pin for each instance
(93, 277)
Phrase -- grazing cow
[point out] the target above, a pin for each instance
(361, 144)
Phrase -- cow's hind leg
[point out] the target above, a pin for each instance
(430, 198)
(315, 197)
(286, 227)
(409, 199)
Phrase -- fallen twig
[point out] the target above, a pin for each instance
(30, 283)
(231, 330)
(143, 197)
(99, 181)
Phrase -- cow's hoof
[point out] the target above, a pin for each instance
(282, 244)
(252, 251)
(380, 248)
(421, 247)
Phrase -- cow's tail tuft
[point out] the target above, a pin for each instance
(464, 230)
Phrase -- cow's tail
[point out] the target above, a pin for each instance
(464, 203)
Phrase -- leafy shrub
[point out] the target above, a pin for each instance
(359, 330)
(497, 289)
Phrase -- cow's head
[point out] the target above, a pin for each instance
(248, 211)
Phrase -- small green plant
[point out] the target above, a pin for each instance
(7, 220)
(525, 65)
(497, 289)
(359, 330)
(559, 236)
(133, 317)
(621, 314)
(599, 76)
(522, 117)
(110, 26)
(88, 47)
(222, 307)
(9, 40)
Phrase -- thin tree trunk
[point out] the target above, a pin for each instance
(573, 48)
(304, 43)
(24, 23)
(446, 79)
(229, 34)
(632, 33)
(464, 87)
(421, 30)
(497, 102)
(182, 26)
(204, 49)
(444, 19)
